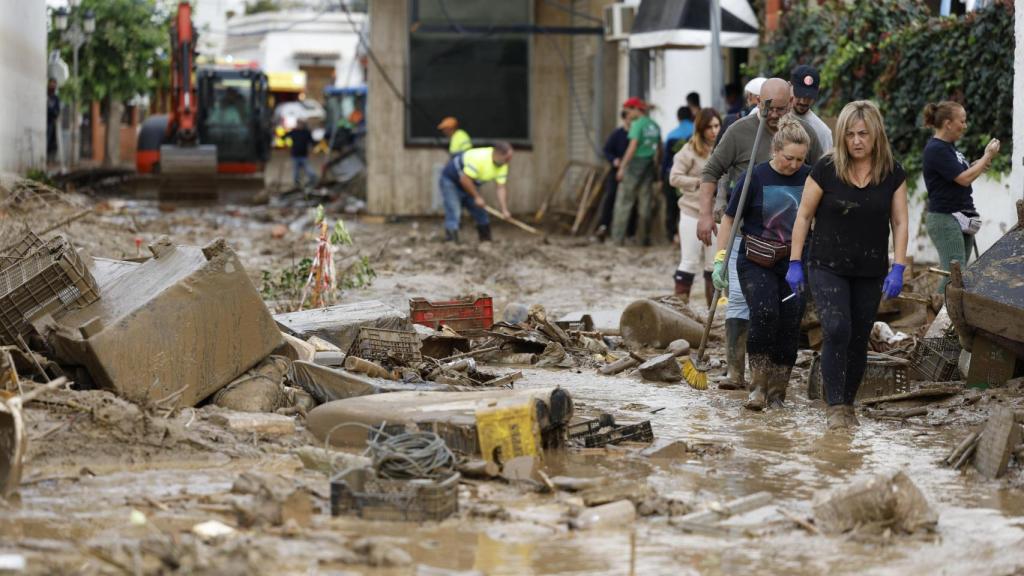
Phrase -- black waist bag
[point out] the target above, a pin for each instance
(764, 252)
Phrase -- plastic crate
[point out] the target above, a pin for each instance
(602, 432)
(882, 377)
(47, 280)
(386, 346)
(936, 359)
(463, 315)
(11, 255)
(360, 492)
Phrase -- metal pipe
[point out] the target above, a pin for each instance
(716, 55)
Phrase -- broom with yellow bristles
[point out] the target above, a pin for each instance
(695, 368)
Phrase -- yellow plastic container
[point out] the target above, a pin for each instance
(506, 431)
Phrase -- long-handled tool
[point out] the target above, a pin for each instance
(512, 221)
(694, 368)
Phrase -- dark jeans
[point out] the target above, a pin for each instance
(774, 324)
(847, 307)
(608, 201)
(671, 207)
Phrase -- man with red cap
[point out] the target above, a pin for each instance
(637, 172)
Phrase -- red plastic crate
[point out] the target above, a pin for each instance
(464, 315)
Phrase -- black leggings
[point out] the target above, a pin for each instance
(774, 324)
(847, 307)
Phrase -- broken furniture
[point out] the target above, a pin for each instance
(177, 328)
(986, 305)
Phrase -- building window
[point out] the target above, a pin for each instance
(470, 60)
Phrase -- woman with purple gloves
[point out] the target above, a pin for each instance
(854, 195)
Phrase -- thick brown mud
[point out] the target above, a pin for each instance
(110, 489)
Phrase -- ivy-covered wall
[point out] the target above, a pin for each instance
(895, 53)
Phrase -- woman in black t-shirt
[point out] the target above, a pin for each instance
(952, 219)
(854, 196)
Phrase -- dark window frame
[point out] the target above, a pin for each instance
(437, 139)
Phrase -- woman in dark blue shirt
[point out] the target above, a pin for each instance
(952, 220)
(767, 225)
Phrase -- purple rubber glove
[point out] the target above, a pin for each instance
(795, 276)
(893, 284)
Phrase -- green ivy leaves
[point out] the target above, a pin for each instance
(895, 53)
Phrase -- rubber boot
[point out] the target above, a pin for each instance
(484, 231)
(835, 417)
(735, 354)
(451, 236)
(851, 416)
(761, 379)
(684, 282)
(777, 388)
(709, 288)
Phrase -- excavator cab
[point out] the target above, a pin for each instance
(234, 117)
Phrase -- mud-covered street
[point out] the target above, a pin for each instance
(112, 487)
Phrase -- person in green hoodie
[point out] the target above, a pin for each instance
(637, 171)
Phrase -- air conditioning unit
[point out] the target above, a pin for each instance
(618, 21)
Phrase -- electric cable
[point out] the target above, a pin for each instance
(403, 456)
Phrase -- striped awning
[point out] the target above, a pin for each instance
(687, 23)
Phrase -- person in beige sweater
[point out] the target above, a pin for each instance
(685, 177)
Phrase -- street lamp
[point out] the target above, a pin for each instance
(76, 35)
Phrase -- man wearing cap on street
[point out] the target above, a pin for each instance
(637, 171)
(806, 84)
(730, 160)
(460, 187)
(458, 139)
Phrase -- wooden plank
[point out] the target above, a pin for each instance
(998, 440)
(930, 392)
(584, 202)
(542, 211)
(597, 189)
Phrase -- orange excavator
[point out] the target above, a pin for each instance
(217, 135)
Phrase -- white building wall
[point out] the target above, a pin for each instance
(274, 39)
(675, 74)
(210, 18)
(23, 69)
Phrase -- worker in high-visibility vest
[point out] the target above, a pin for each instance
(460, 187)
(458, 139)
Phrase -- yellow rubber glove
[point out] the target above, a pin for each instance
(720, 275)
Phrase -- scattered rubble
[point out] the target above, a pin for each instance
(340, 324)
(332, 375)
(663, 368)
(887, 501)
